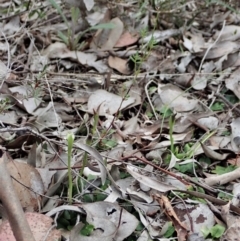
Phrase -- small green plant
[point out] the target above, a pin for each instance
(166, 111)
(87, 229)
(217, 106)
(184, 168)
(67, 220)
(170, 230)
(5, 104)
(185, 152)
(214, 232)
(70, 140)
(225, 196)
(222, 170)
(35, 88)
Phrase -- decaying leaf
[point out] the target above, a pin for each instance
(151, 182)
(111, 221)
(116, 75)
(41, 227)
(106, 39)
(103, 102)
(119, 64)
(174, 97)
(26, 179)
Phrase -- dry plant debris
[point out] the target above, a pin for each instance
(119, 120)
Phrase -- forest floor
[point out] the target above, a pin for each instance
(120, 120)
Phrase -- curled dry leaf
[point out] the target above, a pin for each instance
(119, 64)
(120, 222)
(95, 154)
(232, 83)
(140, 195)
(46, 118)
(229, 33)
(161, 35)
(174, 97)
(149, 181)
(221, 49)
(105, 103)
(232, 232)
(28, 179)
(223, 179)
(60, 50)
(181, 228)
(184, 62)
(106, 39)
(194, 42)
(127, 39)
(220, 141)
(213, 154)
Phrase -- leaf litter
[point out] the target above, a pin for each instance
(149, 92)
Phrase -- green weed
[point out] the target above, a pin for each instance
(213, 232)
(70, 140)
(5, 104)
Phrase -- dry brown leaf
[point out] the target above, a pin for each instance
(119, 64)
(126, 39)
(106, 39)
(105, 103)
(28, 179)
(174, 97)
(180, 227)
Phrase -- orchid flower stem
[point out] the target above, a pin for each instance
(70, 140)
